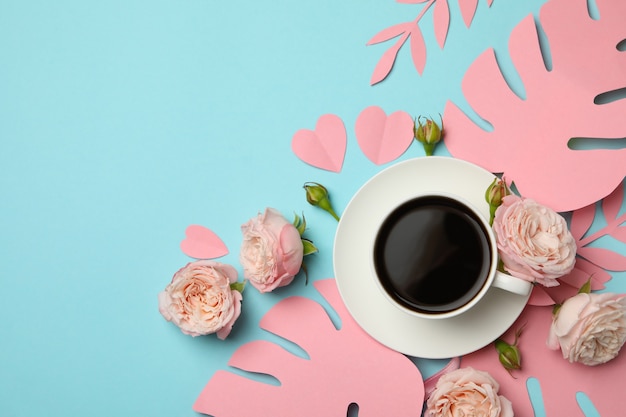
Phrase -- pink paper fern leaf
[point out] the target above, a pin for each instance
(561, 104)
(441, 19)
(615, 227)
(468, 9)
(344, 366)
(591, 262)
(441, 23)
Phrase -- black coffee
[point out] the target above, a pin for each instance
(432, 254)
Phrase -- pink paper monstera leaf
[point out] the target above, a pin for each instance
(560, 381)
(345, 366)
(531, 138)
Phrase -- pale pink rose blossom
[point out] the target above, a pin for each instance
(200, 301)
(467, 392)
(271, 251)
(534, 241)
(590, 328)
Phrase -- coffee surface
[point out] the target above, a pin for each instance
(432, 254)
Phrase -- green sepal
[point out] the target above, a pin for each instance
(586, 288)
(556, 308)
(306, 273)
(296, 220)
(299, 223)
(309, 247)
(238, 286)
(429, 148)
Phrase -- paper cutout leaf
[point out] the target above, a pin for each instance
(385, 64)
(344, 366)
(202, 243)
(591, 262)
(611, 204)
(530, 134)
(418, 49)
(570, 284)
(583, 271)
(539, 297)
(390, 33)
(383, 138)
(441, 21)
(581, 222)
(324, 147)
(620, 234)
(559, 379)
(608, 259)
(468, 9)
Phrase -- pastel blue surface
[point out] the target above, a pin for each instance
(123, 122)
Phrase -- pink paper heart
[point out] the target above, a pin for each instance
(324, 147)
(383, 138)
(202, 243)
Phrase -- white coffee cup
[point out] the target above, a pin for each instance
(435, 256)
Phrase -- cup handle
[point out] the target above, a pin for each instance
(512, 284)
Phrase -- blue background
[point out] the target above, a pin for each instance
(123, 122)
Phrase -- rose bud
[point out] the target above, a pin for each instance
(428, 134)
(509, 354)
(317, 195)
(496, 191)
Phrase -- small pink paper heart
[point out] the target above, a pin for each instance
(383, 138)
(325, 147)
(202, 243)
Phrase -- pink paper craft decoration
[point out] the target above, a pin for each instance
(441, 21)
(202, 243)
(591, 262)
(345, 366)
(324, 147)
(404, 31)
(615, 227)
(570, 284)
(530, 139)
(383, 138)
(559, 379)
(411, 31)
(468, 9)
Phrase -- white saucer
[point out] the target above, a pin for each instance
(398, 330)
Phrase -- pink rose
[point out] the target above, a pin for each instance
(200, 301)
(590, 328)
(533, 241)
(467, 392)
(271, 252)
